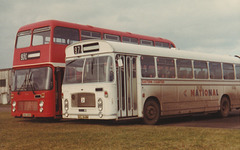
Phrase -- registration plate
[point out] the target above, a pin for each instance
(27, 115)
(82, 117)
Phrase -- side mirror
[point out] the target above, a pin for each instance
(120, 63)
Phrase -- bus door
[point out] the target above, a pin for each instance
(127, 86)
(59, 72)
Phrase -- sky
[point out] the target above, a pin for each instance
(211, 26)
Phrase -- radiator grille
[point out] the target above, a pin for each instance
(28, 106)
(83, 100)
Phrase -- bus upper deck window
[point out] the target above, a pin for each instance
(85, 35)
(166, 45)
(146, 42)
(111, 37)
(130, 40)
(66, 36)
(23, 39)
(41, 36)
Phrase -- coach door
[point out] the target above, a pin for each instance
(127, 86)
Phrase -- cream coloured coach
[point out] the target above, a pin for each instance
(112, 80)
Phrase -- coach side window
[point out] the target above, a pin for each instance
(237, 70)
(148, 66)
(215, 70)
(228, 72)
(165, 67)
(200, 70)
(184, 68)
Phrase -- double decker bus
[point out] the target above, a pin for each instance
(39, 61)
(110, 80)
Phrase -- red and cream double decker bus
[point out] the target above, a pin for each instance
(112, 80)
(39, 61)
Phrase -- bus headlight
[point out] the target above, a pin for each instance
(41, 103)
(100, 104)
(41, 109)
(14, 104)
(66, 104)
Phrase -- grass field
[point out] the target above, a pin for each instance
(79, 134)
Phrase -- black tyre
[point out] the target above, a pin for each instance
(224, 107)
(151, 112)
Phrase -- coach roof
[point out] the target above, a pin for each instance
(134, 49)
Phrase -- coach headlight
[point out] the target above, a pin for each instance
(100, 114)
(100, 104)
(66, 114)
(66, 104)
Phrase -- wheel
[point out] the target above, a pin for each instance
(151, 112)
(224, 107)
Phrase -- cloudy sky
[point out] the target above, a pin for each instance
(194, 25)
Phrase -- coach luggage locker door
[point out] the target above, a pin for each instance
(127, 87)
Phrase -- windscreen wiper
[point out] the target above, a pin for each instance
(24, 84)
(29, 82)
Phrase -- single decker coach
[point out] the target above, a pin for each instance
(113, 80)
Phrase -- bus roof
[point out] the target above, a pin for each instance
(88, 27)
(94, 47)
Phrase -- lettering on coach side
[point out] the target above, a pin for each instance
(201, 92)
(153, 82)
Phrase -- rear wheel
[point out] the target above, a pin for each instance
(224, 107)
(151, 112)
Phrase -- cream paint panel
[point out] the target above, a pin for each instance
(180, 97)
(151, 90)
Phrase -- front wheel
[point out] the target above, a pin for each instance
(151, 112)
(224, 107)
